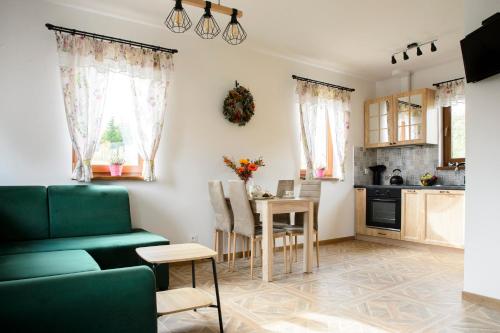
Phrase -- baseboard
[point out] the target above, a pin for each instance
(485, 301)
(407, 244)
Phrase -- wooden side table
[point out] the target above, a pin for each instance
(182, 299)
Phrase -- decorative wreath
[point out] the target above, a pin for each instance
(239, 105)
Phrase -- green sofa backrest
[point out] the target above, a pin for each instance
(23, 213)
(87, 210)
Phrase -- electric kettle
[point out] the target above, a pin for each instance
(396, 178)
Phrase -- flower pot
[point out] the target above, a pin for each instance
(115, 169)
(320, 173)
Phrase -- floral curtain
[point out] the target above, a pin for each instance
(450, 93)
(149, 90)
(85, 64)
(320, 105)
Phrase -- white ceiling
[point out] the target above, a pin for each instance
(351, 36)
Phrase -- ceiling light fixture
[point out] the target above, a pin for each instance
(234, 33)
(178, 20)
(207, 27)
(433, 47)
(413, 46)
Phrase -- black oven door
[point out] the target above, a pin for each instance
(384, 213)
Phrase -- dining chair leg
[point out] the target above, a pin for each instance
(252, 246)
(317, 249)
(284, 254)
(290, 238)
(274, 245)
(296, 256)
(229, 250)
(234, 247)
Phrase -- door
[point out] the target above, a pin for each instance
(378, 132)
(409, 117)
(360, 194)
(445, 217)
(412, 224)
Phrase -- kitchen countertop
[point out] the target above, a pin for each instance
(416, 187)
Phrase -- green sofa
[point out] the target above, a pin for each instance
(68, 261)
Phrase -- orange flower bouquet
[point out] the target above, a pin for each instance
(246, 167)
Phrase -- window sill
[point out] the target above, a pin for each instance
(452, 168)
(108, 177)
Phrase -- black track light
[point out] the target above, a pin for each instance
(405, 56)
(419, 51)
(207, 27)
(234, 33)
(433, 47)
(393, 60)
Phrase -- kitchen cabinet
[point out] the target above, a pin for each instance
(444, 217)
(383, 233)
(412, 225)
(378, 122)
(360, 195)
(403, 119)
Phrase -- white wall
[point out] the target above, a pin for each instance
(482, 229)
(422, 78)
(35, 146)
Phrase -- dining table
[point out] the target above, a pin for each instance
(266, 208)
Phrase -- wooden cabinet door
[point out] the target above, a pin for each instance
(412, 224)
(410, 117)
(360, 194)
(378, 122)
(444, 217)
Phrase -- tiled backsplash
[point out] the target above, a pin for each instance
(414, 161)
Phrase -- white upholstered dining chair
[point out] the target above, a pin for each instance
(223, 216)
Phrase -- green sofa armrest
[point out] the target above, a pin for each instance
(117, 300)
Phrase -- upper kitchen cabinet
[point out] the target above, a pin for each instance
(378, 122)
(415, 118)
(403, 119)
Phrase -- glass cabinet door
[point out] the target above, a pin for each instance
(378, 123)
(409, 118)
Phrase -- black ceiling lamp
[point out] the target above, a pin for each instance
(234, 33)
(412, 46)
(207, 27)
(178, 20)
(433, 47)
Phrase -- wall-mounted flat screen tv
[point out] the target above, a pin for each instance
(481, 50)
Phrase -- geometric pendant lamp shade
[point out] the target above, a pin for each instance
(234, 33)
(178, 21)
(207, 27)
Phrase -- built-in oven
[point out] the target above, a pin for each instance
(383, 208)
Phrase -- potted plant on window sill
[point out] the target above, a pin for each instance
(320, 172)
(116, 166)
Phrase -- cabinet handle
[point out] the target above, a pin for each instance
(381, 233)
(444, 191)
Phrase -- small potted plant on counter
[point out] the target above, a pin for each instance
(116, 165)
(320, 172)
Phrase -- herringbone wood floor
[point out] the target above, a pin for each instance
(359, 287)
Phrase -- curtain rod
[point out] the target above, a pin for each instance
(108, 38)
(440, 83)
(299, 78)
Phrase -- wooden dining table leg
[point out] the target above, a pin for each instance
(308, 238)
(267, 242)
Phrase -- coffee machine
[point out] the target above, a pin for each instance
(377, 173)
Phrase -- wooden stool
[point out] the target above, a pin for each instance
(182, 299)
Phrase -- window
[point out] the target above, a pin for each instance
(454, 134)
(116, 141)
(323, 141)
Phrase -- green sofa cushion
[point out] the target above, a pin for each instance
(39, 264)
(87, 210)
(23, 213)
